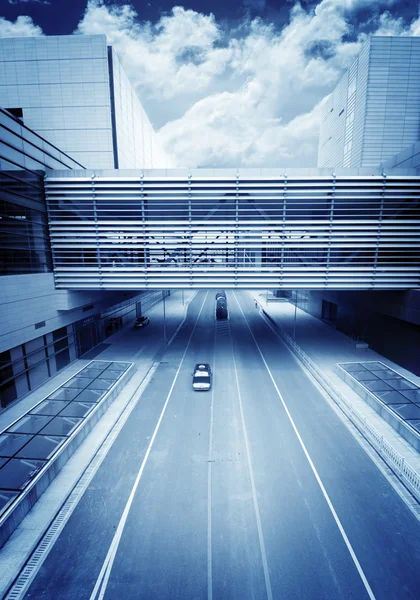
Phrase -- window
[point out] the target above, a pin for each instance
(350, 119)
(352, 88)
(16, 112)
(7, 384)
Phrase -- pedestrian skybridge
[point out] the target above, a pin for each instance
(256, 228)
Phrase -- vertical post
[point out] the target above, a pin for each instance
(182, 296)
(164, 316)
(294, 320)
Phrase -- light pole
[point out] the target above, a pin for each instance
(164, 316)
(294, 320)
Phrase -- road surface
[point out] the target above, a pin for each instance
(255, 489)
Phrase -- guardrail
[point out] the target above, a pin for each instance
(401, 426)
(407, 475)
(31, 492)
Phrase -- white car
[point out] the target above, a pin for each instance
(201, 377)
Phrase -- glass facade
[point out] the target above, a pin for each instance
(29, 443)
(24, 159)
(73, 91)
(25, 367)
(374, 112)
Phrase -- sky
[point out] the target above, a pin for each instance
(227, 84)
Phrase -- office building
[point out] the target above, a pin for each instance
(374, 112)
(373, 119)
(42, 329)
(409, 158)
(73, 92)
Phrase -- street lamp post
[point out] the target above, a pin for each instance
(294, 320)
(164, 316)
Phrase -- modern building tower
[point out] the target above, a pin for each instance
(374, 112)
(73, 92)
(42, 329)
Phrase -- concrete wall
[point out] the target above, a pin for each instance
(27, 300)
(388, 321)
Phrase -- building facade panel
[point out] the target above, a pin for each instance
(137, 142)
(382, 112)
(42, 329)
(409, 158)
(63, 93)
(73, 91)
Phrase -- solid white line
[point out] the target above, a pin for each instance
(105, 572)
(315, 472)
(254, 491)
(50, 536)
(209, 495)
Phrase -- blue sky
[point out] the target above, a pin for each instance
(227, 83)
(49, 13)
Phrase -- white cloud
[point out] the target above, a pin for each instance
(177, 55)
(22, 27)
(249, 95)
(217, 131)
(415, 27)
(389, 25)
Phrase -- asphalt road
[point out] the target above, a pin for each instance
(253, 490)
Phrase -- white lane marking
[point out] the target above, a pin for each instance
(209, 495)
(105, 572)
(50, 536)
(137, 354)
(359, 434)
(175, 333)
(37, 558)
(251, 476)
(315, 472)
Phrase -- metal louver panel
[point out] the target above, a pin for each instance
(160, 231)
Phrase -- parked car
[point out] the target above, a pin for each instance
(201, 377)
(141, 322)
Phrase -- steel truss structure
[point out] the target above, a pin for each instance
(183, 230)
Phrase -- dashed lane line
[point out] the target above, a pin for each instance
(315, 472)
(102, 581)
(253, 488)
(209, 486)
(39, 555)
